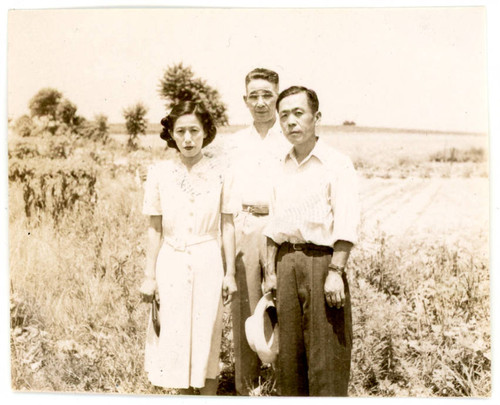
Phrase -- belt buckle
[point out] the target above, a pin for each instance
(296, 246)
(179, 245)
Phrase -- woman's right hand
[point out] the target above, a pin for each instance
(148, 289)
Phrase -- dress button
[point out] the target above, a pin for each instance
(191, 214)
(190, 272)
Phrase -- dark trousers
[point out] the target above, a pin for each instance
(315, 340)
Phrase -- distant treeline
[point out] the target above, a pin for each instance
(356, 128)
(155, 129)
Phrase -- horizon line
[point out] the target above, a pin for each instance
(354, 128)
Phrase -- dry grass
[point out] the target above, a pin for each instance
(421, 320)
(421, 306)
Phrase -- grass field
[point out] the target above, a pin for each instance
(419, 276)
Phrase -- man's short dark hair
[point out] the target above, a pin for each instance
(186, 107)
(264, 74)
(312, 97)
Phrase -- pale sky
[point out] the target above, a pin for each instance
(406, 68)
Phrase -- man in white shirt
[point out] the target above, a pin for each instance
(314, 216)
(257, 148)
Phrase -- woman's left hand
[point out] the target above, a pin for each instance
(148, 289)
(228, 288)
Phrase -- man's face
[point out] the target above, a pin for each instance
(261, 100)
(297, 120)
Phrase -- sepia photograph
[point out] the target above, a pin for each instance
(249, 201)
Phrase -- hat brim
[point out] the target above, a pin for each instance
(261, 333)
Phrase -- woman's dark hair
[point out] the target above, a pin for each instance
(188, 107)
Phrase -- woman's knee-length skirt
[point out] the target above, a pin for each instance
(187, 350)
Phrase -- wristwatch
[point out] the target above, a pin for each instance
(337, 269)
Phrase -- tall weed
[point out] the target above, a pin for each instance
(421, 322)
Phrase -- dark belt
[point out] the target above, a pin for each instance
(256, 209)
(307, 246)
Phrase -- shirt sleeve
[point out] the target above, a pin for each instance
(271, 229)
(152, 202)
(229, 199)
(345, 203)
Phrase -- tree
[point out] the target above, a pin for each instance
(56, 113)
(66, 112)
(135, 122)
(102, 128)
(97, 130)
(44, 105)
(24, 126)
(66, 117)
(178, 83)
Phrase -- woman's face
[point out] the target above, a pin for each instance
(188, 134)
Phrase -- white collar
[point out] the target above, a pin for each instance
(317, 151)
(274, 131)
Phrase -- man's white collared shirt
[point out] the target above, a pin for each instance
(316, 200)
(254, 160)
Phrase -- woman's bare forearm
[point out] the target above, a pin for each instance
(229, 244)
(153, 247)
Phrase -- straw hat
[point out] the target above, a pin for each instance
(261, 330)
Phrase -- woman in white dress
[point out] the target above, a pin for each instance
(188, 201)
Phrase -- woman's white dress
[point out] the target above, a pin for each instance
(189, 270)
